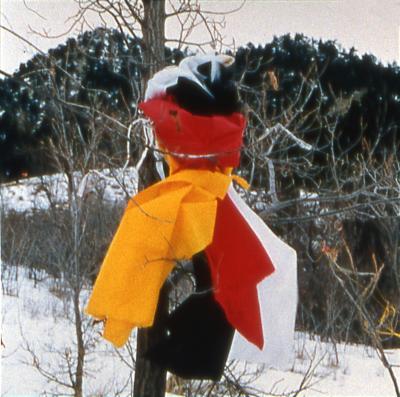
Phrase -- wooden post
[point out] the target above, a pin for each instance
(150, 379)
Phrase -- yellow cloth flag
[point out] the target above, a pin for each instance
(169, 221)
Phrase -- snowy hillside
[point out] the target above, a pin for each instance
(36, 193)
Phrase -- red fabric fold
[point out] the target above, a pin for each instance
(186, 134)
(238, 263)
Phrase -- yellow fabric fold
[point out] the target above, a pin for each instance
(169, 221)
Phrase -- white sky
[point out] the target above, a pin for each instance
(368, 25)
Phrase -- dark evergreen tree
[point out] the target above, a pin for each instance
(98, 70)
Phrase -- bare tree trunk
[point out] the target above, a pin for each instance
(76, 288)
(150, 379)
(78, 386)
(153, 28)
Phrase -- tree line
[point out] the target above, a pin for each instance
(102, 69)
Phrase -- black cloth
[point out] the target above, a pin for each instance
(224, 100)
(197, 337)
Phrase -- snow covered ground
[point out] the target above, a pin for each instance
(36, 193)
(36, 326)
(37, 318)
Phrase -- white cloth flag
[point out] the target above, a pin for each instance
(277, 296)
